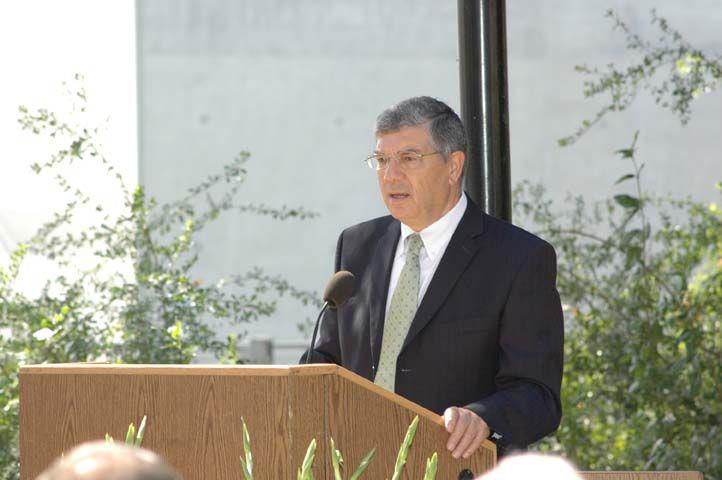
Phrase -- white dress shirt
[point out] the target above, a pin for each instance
(435, 239)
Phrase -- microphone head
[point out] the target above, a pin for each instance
(339, 288)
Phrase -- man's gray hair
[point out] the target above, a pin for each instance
(445, 128)
(108, 461)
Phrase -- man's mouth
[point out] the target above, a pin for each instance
(399, 196)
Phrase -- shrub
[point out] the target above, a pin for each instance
(125, 289)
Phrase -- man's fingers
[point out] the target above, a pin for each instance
(460, 426)
(466, 440)
(451, 414)
(476, 443)
(467, 431)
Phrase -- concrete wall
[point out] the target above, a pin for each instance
(298, 83)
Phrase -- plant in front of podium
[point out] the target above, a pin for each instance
(122, 282)
(133, 438)
(305, 471)
(641, 280)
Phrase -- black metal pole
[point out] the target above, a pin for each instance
(484, 103)
(469, 15)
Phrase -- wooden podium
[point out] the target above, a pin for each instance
(194, 419)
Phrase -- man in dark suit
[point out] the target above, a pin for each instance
(454, 309)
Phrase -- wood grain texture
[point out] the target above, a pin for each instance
(94, 368)
(360, 419)
(307, 420)
(401, 401)
(642, 475)
(194, 421)
(194, 418)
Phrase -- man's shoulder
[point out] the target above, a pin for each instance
(357, 243)
(512, 235)
(373, 228)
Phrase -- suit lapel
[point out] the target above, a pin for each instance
(461, 249)
(380, 276)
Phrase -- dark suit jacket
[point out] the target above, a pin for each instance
(487, 335)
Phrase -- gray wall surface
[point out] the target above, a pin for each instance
(299, 83)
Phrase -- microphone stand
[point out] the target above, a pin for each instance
(315, 331)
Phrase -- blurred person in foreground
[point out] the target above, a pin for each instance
(107, 461)
(455, 310)
(532, 465)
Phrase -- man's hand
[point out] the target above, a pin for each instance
(467, 431)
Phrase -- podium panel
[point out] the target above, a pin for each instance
(194, 418)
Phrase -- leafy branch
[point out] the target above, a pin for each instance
(690, 73)
(126, 287)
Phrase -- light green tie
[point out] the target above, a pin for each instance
(403, 308)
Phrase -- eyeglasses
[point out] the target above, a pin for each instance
(404, 160)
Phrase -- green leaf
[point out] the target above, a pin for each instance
(176, 330)
(248, 463)
(75, 148)
(624, 178)
(404, 450)
(625, 152)
(683, 68)
(141, 433)
(306, 472)
(363, 465)
(627, 201)
(336, 461)
(246, 472)
(130, 436)
(431, 466)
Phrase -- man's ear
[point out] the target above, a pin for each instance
(456, 166)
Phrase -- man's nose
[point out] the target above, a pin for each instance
(393, 171)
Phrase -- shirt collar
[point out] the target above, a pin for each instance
(437, 235)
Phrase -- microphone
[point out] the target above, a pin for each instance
(338, 290)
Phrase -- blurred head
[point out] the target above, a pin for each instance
(419, 156)
(103, 461)
(532, 465)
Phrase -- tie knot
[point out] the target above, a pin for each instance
(413, 245)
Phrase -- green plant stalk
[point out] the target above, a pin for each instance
(247, 465)
(130, 436)
(363, 465)
(336, 461)
(404, 450)
(246, 473)
(141, 433)
(305, 472)
(431, 465)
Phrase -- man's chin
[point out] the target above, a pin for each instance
(401, 214)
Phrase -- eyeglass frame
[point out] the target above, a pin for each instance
(419, 156)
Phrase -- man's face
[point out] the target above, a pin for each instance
(420, 196)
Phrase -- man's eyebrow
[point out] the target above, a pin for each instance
(403, 150)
